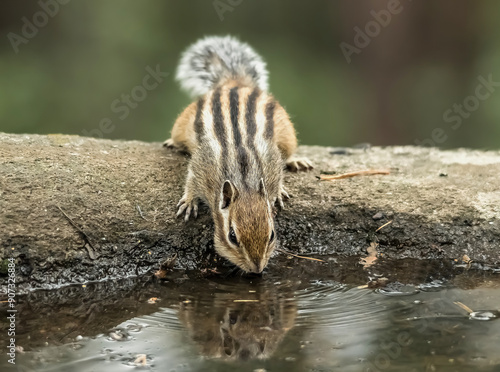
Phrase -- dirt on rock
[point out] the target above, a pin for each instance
(77, 209)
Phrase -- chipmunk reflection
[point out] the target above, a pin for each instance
(239, 324)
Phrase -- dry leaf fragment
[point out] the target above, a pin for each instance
(372, 255)
(153, 300)
(165, 267)
(160, 274)
(141, 360)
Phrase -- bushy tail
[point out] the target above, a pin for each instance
(213, 60)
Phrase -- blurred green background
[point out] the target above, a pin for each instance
(63, 73)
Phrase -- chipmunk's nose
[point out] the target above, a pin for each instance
(259, 266)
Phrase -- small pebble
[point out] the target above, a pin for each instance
(484, 315)
(340, 152)
(378, 216)
(363, 146)
(443, 174)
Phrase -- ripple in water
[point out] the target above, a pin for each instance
(290, 326)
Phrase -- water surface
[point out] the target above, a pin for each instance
(269, 323)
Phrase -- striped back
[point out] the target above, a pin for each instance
(236, 124)
(235, 130)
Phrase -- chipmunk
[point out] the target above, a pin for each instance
(240, 140)
(227, 329)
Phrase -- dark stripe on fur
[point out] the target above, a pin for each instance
(250, 117)
(234, 109)
(269, 133)
(242, 153)
(250, 114)
(198, 123)
(220, 131)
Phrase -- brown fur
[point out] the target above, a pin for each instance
(184, 137)
(251, 209)
(225, 329)
(284, 132)
(183, 134)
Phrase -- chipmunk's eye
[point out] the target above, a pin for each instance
(232, 236)
(272, 237)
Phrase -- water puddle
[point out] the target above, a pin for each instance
(270, 323)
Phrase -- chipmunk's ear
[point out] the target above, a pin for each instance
(262, 188)
(229, 193)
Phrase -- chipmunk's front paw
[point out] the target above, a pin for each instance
(283, 195)
(187, 205)
(298, 164)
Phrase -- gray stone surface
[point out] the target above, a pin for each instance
(122, 196)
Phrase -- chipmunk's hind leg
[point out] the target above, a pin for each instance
(170, 144)
(183, 135)
(286, 139)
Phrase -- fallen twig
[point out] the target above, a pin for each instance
(463, 306)
(296, 255)
(140, 212)
(367, 172)
(384, 225)
(92, 249)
